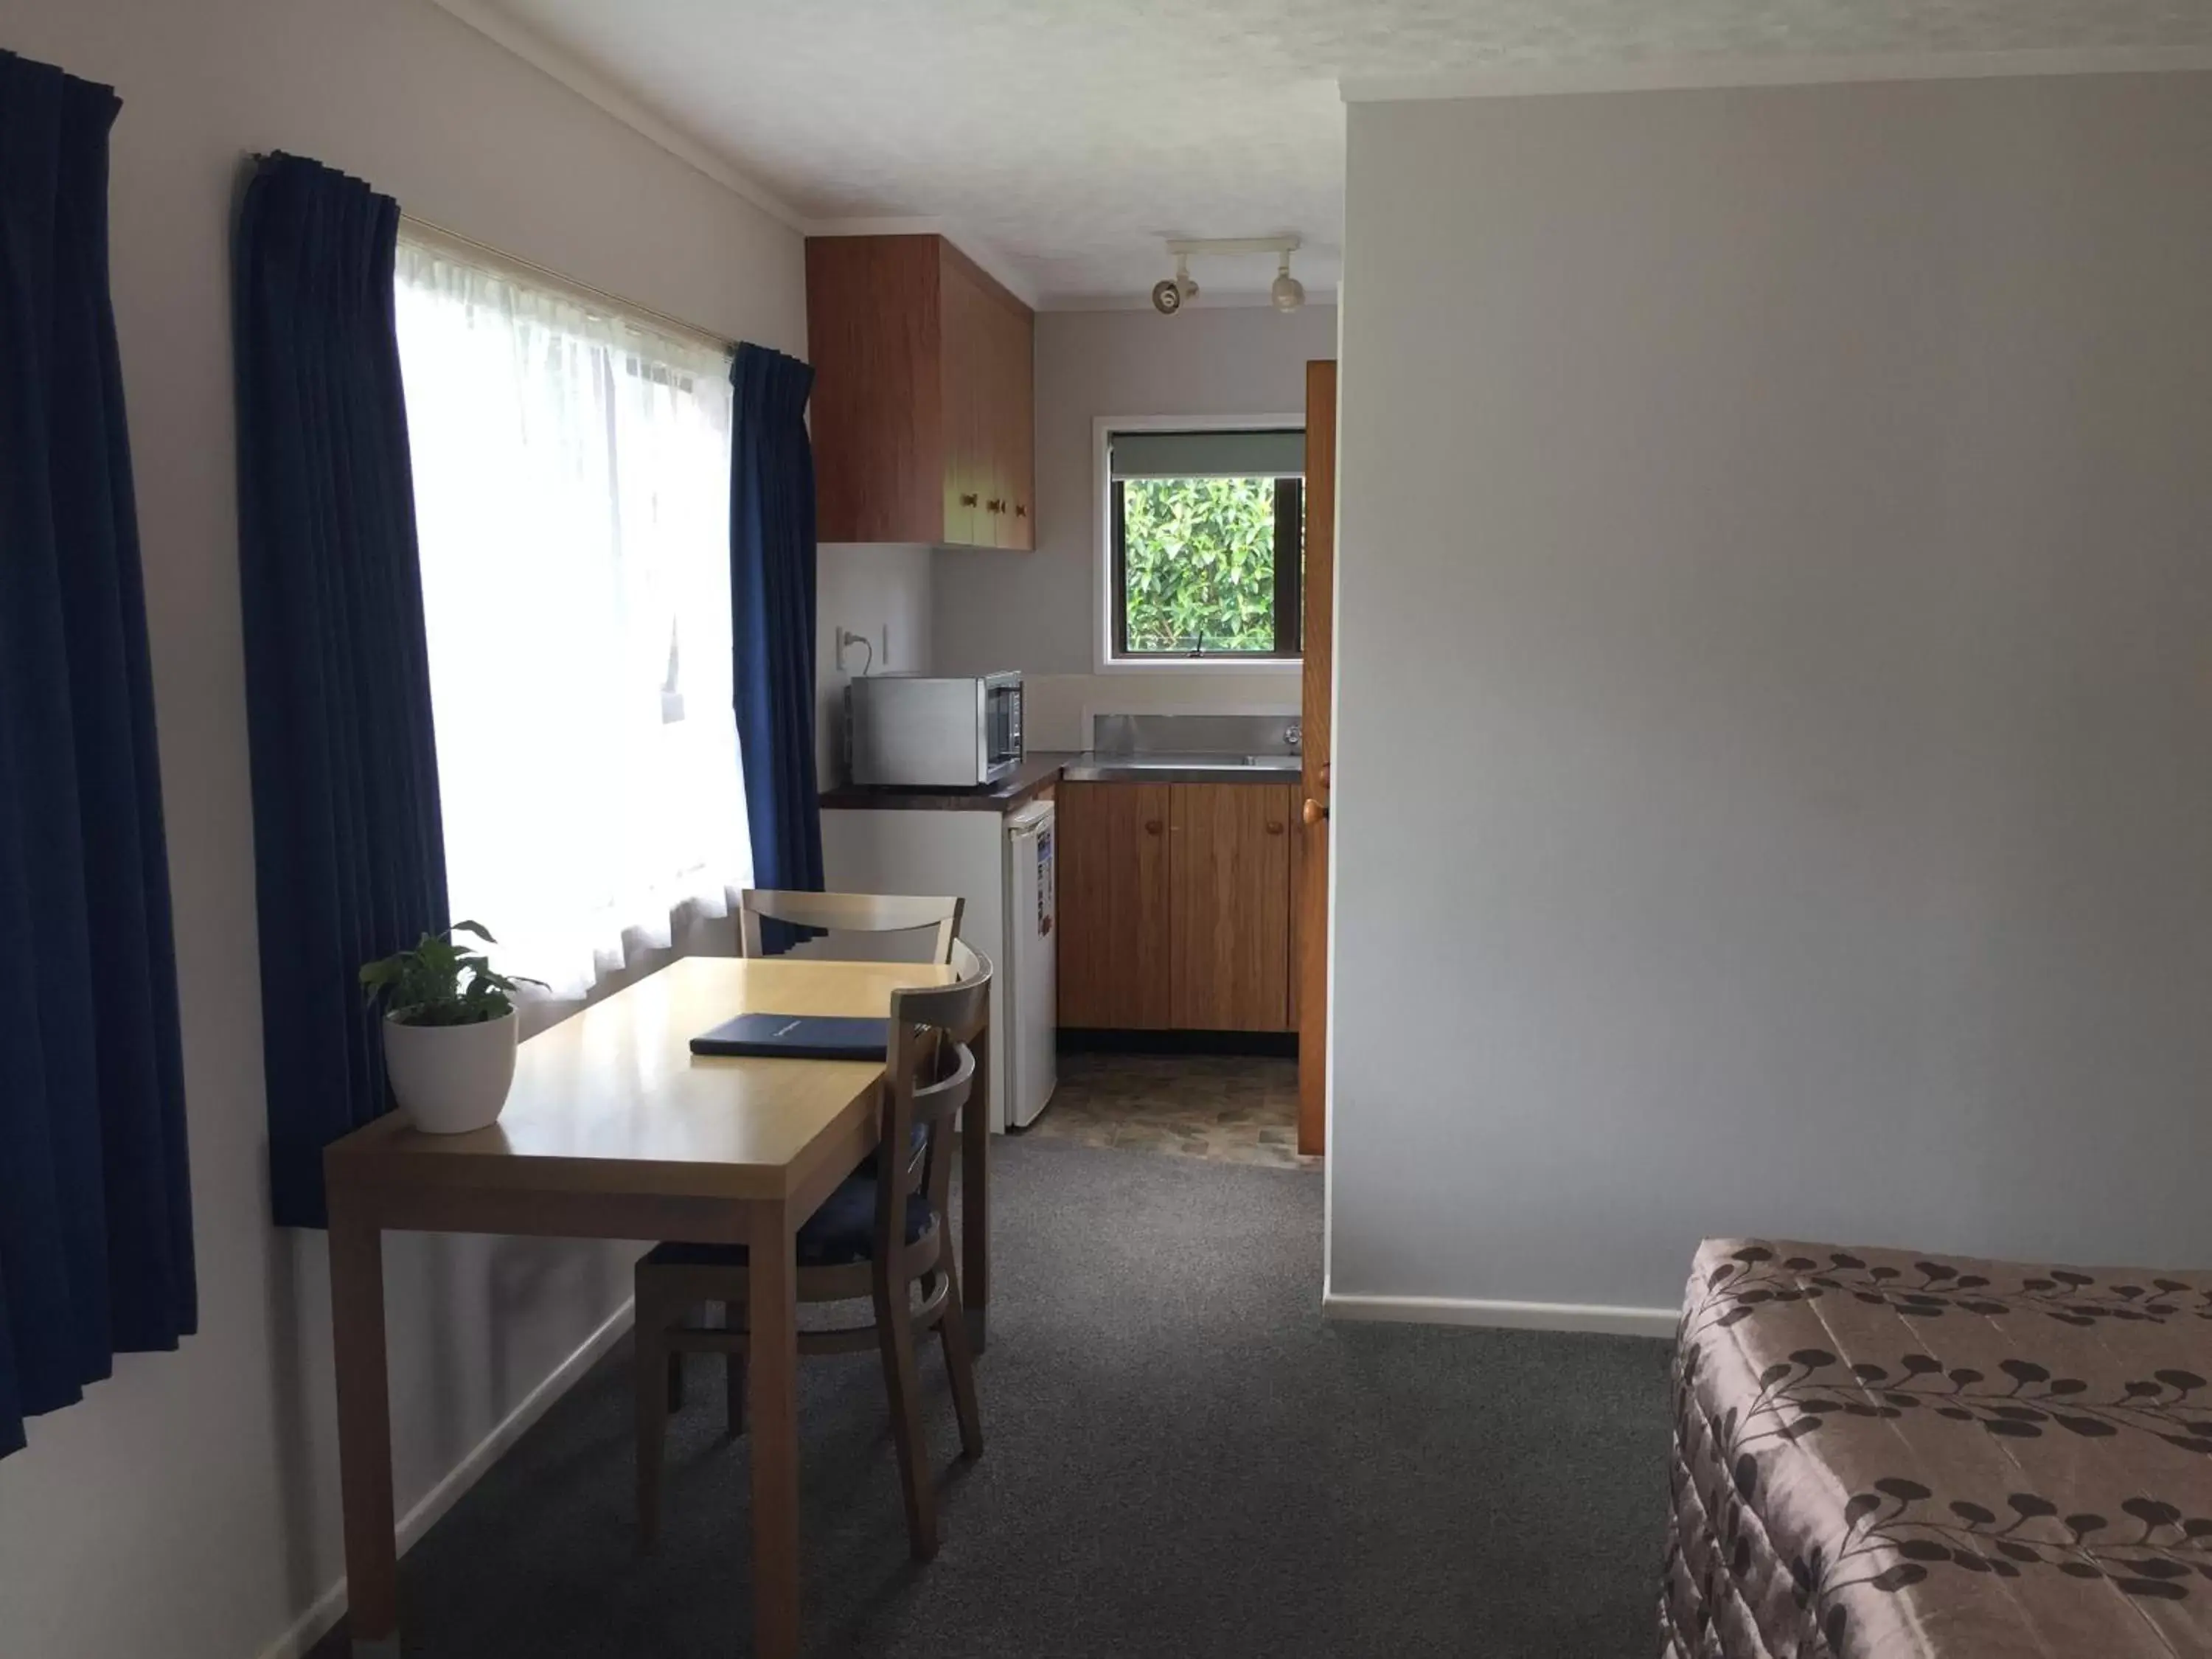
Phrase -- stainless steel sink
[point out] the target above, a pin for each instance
(1189, 749)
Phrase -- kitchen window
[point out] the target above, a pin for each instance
(572, 503)
(1208, 536)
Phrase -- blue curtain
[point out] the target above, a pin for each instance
(349, 854)
(95, 1198)
(772, 615)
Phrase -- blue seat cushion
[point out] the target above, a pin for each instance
(915, 1141)
(842, 1231)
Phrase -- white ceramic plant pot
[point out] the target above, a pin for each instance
(451, 1078)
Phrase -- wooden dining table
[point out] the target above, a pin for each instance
(615, 1129)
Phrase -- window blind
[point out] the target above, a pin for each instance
(1271, 455)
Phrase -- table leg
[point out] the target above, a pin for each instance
(976, 1197)
(772, 1377)
(364, 1433)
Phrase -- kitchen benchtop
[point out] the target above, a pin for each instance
(1043, 768)
(1035, 772)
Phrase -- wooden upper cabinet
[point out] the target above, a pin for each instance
(923, 403)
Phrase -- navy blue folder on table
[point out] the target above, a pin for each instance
(796, 1037)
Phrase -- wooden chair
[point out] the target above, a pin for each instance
(854, 912)
(878, 1234)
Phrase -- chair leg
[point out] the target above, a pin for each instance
(895, 1334)
(733, 1373)
(654, 1367)
(960, 1365)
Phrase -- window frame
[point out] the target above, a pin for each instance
(1109, 595)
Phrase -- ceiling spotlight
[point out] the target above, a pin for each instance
(1170, 296)
(1288, 292)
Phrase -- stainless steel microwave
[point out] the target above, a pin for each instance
(917, 731)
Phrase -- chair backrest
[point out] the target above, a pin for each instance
(857, 912)
(937, 1065)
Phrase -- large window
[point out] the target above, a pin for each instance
(1208, 544)
(572, 491)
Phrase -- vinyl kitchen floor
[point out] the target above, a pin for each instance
(1233, 1108)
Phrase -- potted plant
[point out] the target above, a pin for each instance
(449, 1030)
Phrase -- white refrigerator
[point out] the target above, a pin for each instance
(999, 863)
(1029, 975)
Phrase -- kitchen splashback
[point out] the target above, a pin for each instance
(1195, 734)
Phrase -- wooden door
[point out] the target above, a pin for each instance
(876, 339)
(1018, 436)
(1230, 914)
(1112, 848)
(966, 387)
(998, 528)
(1316, 746)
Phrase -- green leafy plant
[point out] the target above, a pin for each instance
(442, 982)
(1199, 564)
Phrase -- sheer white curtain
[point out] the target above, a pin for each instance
(572, 498)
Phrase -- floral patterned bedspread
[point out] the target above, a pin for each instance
(1880, 1456)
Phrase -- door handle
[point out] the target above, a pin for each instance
(1152, 826)
(1314, 811)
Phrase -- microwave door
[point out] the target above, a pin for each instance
(1002, 727)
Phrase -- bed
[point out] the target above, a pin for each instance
(1881, 1456)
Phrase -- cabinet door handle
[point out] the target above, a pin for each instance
(1315, 811)
(1020, 512)
(967, 501)
(1152, 826)
(995, 507)
(1275, 828)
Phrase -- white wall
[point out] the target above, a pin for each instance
(188, 1507)
(882, 593)
(1771, 785)
(1039, 611)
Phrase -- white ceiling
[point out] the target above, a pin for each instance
(1069, 136)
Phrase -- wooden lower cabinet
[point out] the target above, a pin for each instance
(1229, 907)
(1111, 847)
(1175, 906)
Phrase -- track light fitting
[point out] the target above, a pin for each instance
(1288, 294)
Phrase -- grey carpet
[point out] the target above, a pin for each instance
(1183, 1458)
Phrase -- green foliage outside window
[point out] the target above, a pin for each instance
(1199, 564)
